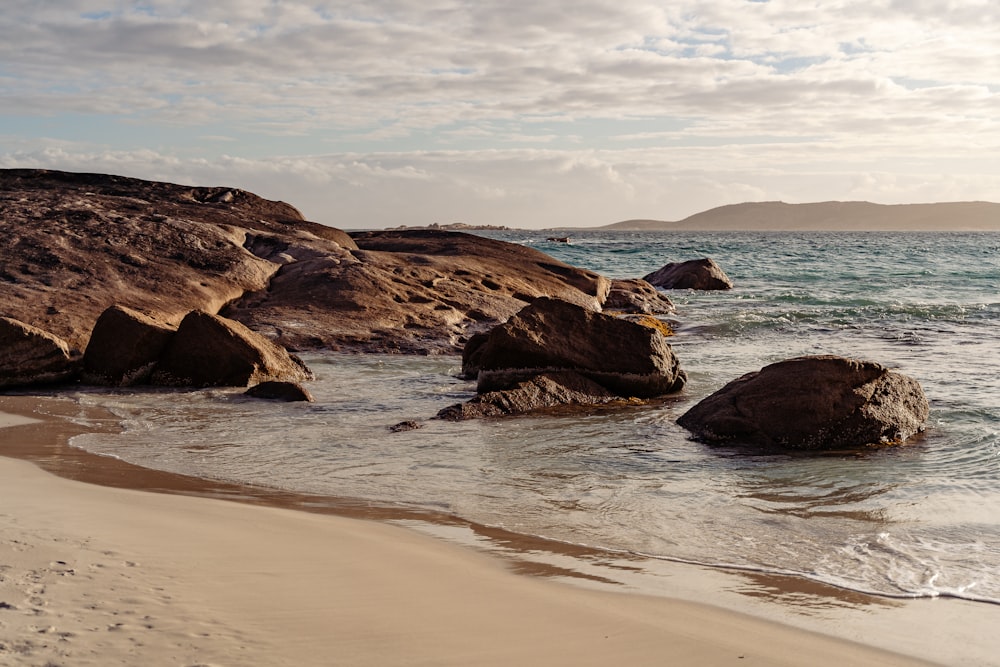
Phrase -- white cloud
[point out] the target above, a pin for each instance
(660, 108)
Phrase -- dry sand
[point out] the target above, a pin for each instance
(91, 575)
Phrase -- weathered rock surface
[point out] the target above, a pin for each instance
(209, 350)
(547, 390)
(124, 347)
(76, 244)
(409, 291)
(274, 390)
(625, 358)
(636, 296)
(811, 403)
(29, 355)
(699, 274)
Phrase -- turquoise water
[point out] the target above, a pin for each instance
(916, 521)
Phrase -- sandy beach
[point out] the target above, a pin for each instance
(92, 575)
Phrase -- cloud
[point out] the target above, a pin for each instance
(472, 110)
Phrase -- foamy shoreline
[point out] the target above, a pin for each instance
(97, 575)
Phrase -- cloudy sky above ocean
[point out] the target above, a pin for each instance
(519, 113)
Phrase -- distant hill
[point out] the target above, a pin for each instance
(831, 216)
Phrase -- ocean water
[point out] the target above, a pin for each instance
(921, 520)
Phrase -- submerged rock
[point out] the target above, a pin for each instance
(29, 355)
(546, 390)
(698, 274)
(812, 403)
(124, 347)
(209, 350)
(273, 390)
(403, 426)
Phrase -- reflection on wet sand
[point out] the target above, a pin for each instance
(803, 595)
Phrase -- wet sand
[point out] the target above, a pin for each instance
(108, 575)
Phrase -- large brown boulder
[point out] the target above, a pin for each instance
(626, 358)
(811, 403)
(29, 355)
(124, 347)
(699, 274)
(547, 390)
(209, 350)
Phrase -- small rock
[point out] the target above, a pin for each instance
(637, 296)
(279, 391)
(408, 425)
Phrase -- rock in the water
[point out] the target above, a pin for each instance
(637, 296)
(546, 390)
(812, 403)
(626, 358)
(29, 355)
(209, 350)
(274, 390)
(403, 426)
(699, 274)
(124, 347)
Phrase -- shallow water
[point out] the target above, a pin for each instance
(916, 521)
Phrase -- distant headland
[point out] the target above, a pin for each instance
(829, 216)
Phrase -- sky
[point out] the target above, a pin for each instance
(526, 113)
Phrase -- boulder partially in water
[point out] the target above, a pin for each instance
(124, 347)
(697, 274)
(30, 356)
(626, 358)
(554, 353)
(812, 403)
(211, 351)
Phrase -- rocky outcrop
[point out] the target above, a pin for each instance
(75, 244)
(409, 291)
(209, 350)
(636, 296)
(811, 403)
(274, 390)
(698, 274)
(626, 358)
(31, 356)
(124, 347)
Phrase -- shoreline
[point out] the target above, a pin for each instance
(400, 601)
